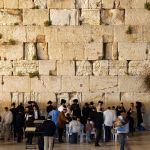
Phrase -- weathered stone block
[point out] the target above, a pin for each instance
(46, 84)
(82, 4)
(90, 16)
(113, 16)
(47, 67)
(103, 84)
(33, 32)
(94, 51)
(9, 4)
(139, 67)
(5, 101)
(117, 67)
(7, 52)
(5, 67)
(137, 17)
(16, 84)
(62, 96)
(75, 84)
(95, 4)
(17, 33)
(1, 84)
(95, 97)
(55, 51)
(17, 98)
(66, 68)
(131, 84)
(100, 67)
(65, 4)
(146, 33)
(23, 4)
(35, 16)
(30, 51)
(108, 4)
(132, 51)
(75, 95)
(112, 99)
(1, 4)
(42, 51)
(120, 34)
(64, 16)
(42, 4)
(83, 68)
(10, 17)
(24, 67)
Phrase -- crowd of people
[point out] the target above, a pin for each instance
(96, 123)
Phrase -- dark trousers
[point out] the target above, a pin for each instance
(122, 140)
(60, 134)
(98, 135)
(20, 135)
(107, 133)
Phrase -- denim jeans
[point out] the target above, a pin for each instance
(122, 140)
(88, 136)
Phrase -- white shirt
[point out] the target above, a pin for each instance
(109, 117)
(7, 117)
(74, 126)
(60, 108)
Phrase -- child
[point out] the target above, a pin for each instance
(88, 128)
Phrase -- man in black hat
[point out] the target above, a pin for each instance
(49, 107)
(62, 104)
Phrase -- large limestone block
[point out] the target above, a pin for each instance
(83, 68)
(1, 4)
(9, 4)
(100, 67)
(94, 51)
(33, 32)
(103, 84)
(55, 51)
(35, 16)
(90, 16)
(113, 16)
(61, 4)
(47, 67)
(137, 17)
(120, 34)
(1, 84)
(73, 51)
(5, 67)
(42, 51)
(5, 100)
(46, 84)
(17, 98)
(92, 96)
(139, 67)
(95, 4)
(117, 67)
(42, 4)
(131, 84)
(17, 33)
(112, 99)
(64, 16)
(146, 33)
(30, 51)
(23, 4)
(24, 67)
(75, 84)
(84, 4)
(66, 68)
(132, 51)
(11, 52)
(75, 95)
(108, 4)
(16, 84)
(10, 17)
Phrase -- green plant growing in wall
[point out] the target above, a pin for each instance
(12, 42)
(129, 30)
(47, 23)
(34, 57)
(147, 5)
(34, 74)
(1, 35)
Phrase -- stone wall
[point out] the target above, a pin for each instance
(85, 49)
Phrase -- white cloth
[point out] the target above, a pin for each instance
(7, 117)
(36, 114)
(109, 117)
(60, 108)
(74, 126)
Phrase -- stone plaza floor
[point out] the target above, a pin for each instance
(140, 141)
